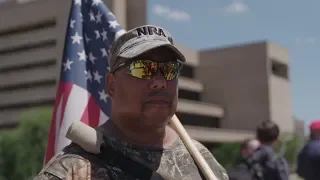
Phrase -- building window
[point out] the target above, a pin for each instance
(185, 94)
(187, 71)
(24, 1)
(198, 120)
(279, 69)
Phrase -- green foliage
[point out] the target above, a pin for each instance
(22, 149)
(227, 154)
(290, 148)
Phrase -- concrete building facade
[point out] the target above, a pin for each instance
(250, 82)
(223, 93)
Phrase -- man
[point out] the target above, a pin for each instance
(264, 162)
(242, 171)
(309, 156)
(143, 86)
(248, 147)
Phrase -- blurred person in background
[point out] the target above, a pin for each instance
(309, 156)
(242, 171)
(249, 147)
(264, 163)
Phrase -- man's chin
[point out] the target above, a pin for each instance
(158, 112)
(155, 109)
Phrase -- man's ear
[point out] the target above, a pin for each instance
(110, 83)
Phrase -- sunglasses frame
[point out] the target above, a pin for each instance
(128, 62)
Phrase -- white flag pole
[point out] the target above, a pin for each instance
(203, 165)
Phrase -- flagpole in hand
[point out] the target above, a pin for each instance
(203, 165)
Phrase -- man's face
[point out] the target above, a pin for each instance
(250, 148)
(153, 101)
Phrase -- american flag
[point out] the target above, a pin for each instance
(81, 93)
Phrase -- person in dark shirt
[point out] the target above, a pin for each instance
(241, 170)
(274, 167)
(263, 163)
(309, 156)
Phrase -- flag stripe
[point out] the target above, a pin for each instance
(75, 106)
(58, 119)
(53, 127)
(91, 113)
(103, 117)
(64, 94)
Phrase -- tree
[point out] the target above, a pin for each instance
(290, 148)
(227, 154)
(22, 149)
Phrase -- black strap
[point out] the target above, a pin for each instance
(139, 171)
(114, 158)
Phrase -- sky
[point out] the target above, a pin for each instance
(293, 24)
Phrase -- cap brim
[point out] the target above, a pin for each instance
(144, 47)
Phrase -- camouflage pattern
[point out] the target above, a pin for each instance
(174, 162)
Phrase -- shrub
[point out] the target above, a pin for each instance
(227, 154)
(22, 149)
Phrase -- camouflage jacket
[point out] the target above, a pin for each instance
(174, 162)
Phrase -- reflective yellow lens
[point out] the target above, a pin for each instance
(171, 70)
(145, 69)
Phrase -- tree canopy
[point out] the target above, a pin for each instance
(22, 149)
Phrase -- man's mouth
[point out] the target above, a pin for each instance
(158, 101)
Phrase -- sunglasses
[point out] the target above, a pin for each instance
(146, 69)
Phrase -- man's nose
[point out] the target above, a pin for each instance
(158, 81)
